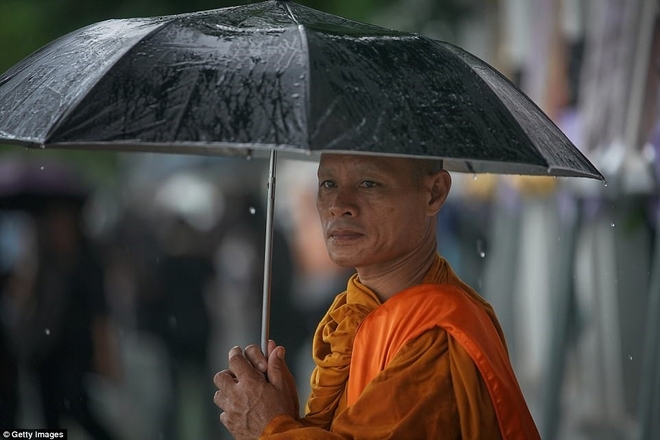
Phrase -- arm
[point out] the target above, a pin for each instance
(412, 398)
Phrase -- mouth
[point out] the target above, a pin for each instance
(344, 235)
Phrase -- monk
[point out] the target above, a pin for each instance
(408, 351)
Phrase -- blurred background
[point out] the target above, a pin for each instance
(126, 278)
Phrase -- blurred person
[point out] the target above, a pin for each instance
(183, 276)
(63, 330)
(408, 350)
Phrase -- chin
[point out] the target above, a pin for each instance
(346, 259)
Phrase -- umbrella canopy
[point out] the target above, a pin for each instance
(277, 76)
(280, 77)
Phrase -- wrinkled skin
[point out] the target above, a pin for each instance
(254, 390)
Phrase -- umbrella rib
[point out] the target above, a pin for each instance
(305, 50)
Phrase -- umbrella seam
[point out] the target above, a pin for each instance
(305, 49)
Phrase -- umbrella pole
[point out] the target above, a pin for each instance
(268, 254)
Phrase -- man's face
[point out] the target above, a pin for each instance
(372, 210)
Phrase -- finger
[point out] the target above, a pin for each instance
(271, 346)
(223, 419)
(241, 367)
(224, 378)
(256, 357)
(219, 399)
(277, 368)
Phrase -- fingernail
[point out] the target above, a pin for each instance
(262, 366)
(280, 353)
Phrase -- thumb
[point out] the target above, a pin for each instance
(277, 368)
(281, 378)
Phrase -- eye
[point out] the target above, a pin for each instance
(369, 184)
(327, 184)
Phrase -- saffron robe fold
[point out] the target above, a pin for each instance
(412, 377)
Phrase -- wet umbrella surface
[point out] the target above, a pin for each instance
(277, 75)
(280, 77)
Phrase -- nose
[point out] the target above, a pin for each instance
(342, 203)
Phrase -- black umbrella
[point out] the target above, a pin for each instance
(277, 76)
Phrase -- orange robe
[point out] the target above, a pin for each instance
(418, 369)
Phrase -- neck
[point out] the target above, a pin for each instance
(390, 278)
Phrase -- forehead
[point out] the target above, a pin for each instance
(362, 163)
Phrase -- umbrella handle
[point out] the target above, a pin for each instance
(268, 254)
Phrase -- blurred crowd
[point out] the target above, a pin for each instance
(119, 306)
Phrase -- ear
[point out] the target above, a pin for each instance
(439, 184)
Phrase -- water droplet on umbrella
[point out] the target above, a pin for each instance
(252, 210)
(612, 224)
(47, 331)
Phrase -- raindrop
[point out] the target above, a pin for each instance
(67, 404)
(171, 321)
(41, 168)
(42, 146)
(308, 153)
(252, 210)
(480, 248)
(612, 224)
(604, 182)
(295, 95)
(474, 177)
(630, 357)
(47, 331)
(249, 156)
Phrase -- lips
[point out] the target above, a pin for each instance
(341, 235)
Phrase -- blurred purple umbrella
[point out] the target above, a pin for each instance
(32, 185)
